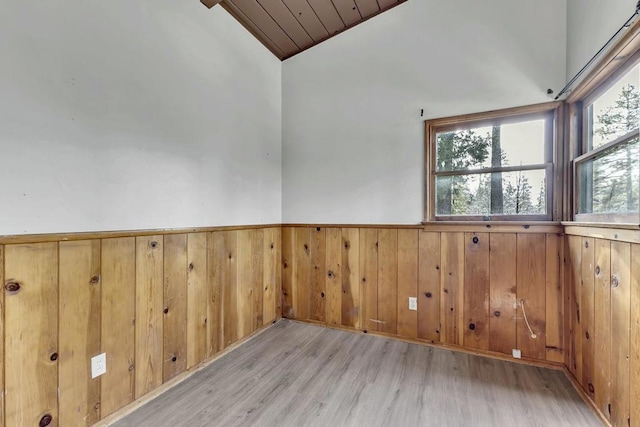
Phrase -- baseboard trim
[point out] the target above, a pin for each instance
(587, 399)
(493, 355)
(126, 410)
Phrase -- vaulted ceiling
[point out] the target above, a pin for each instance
(287, 27)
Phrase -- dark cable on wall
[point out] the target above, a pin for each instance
(606, 45)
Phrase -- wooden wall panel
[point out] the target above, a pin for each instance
(367, 7)
(79, 331)
(620, 332)
(634, 341)
(302, 272)
(351, 277)
(429, 286)
(328, 14)
(388, 280)
(476, 291)
(257, 278)
(531, 281)
(271, 278)
(175, 306)
(288, 260)
(245, 282)
(196, 299)
(407, 282)
(221, 291)
(587, 295)
(149, 313)
(118, 264)
(602, 325)
(318, 274)
(369, 280)
(452, 288)
(502, 279)
(31, 335)
(333, 276)
(285, 19)
(574, 287)
(2, 310)
(348, 11)
(152, 303)
(554, 299)
(222, 249)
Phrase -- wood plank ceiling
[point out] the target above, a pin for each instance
(288, 27)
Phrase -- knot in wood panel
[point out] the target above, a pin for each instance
(12, 286)
(94, 280)
(191, 266)
(472, 326)
(428, 294)
(154, 244)
(476, 240)
(53, 357)
(45, 420)
(614, 282)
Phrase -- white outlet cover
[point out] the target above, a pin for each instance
(98, 365)
(517, 354)
(413, 303)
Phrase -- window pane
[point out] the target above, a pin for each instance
(486, 194)
(610, 182)
(616, 112)
(514, 144)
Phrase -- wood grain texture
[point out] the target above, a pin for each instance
(245, 283)
(575, 286)
(554, 304)
(369, 280)
(257, 278)
(620, 332)
(587, 295)
(318, 274)
(197, 308)
(149, 313)
(175, 306)
(79, 331)
(634, 341)
(602, 325)
(333, 276)
(271, 278)
(388, 280)
(302, 272)
(429, 286)
(476, 291)
(118, 263)
(502, 279)
(531, 277)
(351, 277)
(222, 250)
(288, 260)
(334, 378)
(31, 335)
(407, 282)
(452, 288)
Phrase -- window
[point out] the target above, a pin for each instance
(607, 174)
(491, 166)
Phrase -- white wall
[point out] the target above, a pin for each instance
(352, 132)
(590, 23)
(135, 114)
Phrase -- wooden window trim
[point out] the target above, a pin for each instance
(553, 158)
(622, 57)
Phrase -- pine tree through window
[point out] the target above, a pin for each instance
(491, 166)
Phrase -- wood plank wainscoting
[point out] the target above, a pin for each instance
(157, 303)
(602, 277)
(471, 282)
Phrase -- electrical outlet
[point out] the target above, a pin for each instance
(413, 303)
(98, 365)
(517, 354)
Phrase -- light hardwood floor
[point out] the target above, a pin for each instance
(297, 374)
